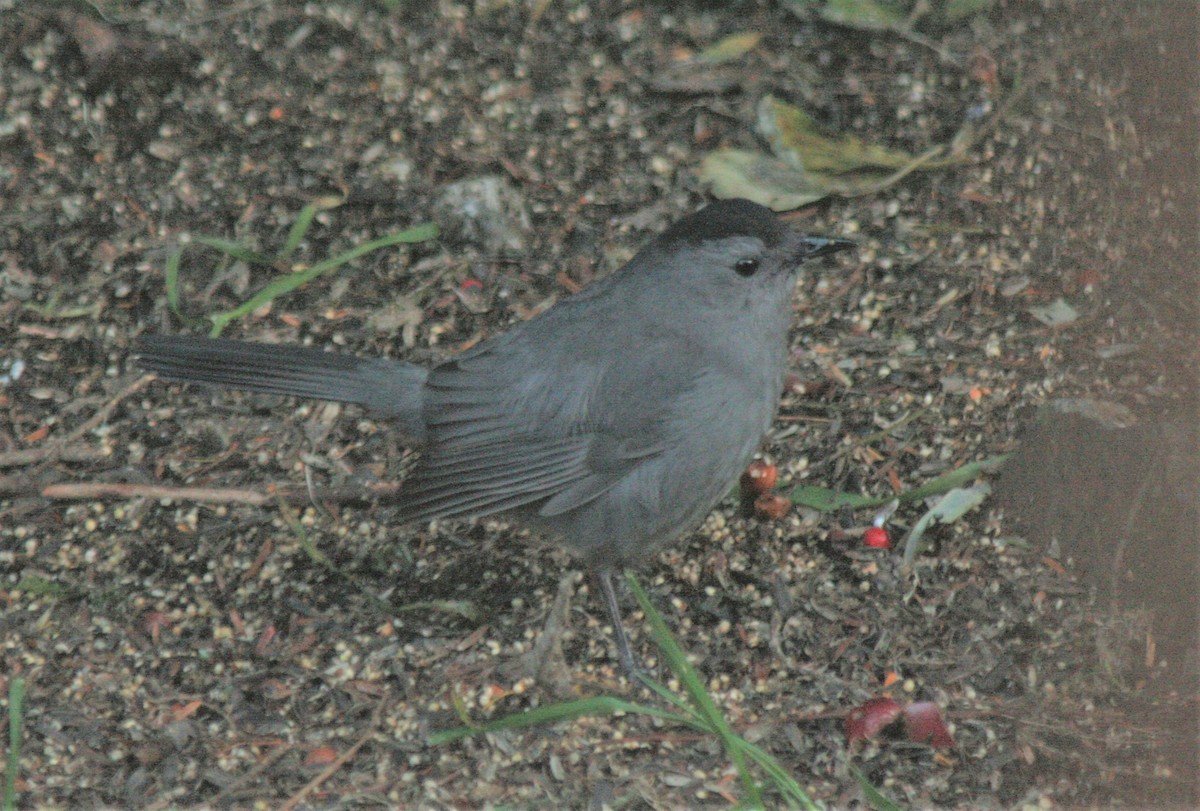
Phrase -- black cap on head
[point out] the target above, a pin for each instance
(728, 218)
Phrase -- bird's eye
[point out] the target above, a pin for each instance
(746, 267)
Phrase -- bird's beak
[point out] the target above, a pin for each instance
(812, 247)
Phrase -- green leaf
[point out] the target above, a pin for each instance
(801, 8)
(952, 506)
(731, 47)
(704, 714)
(865, 15)
(827, 500)
(955, 478)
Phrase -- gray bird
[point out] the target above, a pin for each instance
(613, 421)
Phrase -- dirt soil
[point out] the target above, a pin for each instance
(298, 652)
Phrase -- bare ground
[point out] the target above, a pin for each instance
(194, 654)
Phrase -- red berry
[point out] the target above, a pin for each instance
(760, 477)
(772, 506)
(877, 538)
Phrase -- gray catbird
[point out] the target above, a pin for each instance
(613, 421)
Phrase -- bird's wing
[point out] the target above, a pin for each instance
(521, 423)
(482, 478)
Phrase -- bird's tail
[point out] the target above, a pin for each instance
(387, 387)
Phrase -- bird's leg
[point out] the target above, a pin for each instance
(624, 654)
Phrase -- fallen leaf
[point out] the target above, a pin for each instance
(808, 165)
(1107, 413)
(872, 717)
(180, 712)
(37, 434)
(320, 757)
(761, 178)
(795, 137)
(1055, 314)
(983, 67)
(731, 47)
(923, 724)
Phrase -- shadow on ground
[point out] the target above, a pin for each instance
(1114, 487)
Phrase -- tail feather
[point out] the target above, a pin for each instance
(389, 388)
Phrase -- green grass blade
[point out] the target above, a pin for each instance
(171, 279)
(874, 796)
(303, 223)
(16, 717)
(234, 249)
(292, 281)
(458, 608)
(827, 500)
(795, 794)
(694, 686)
(955, 478)
(418, 233)
(697, 712)
(171, 274)
(292, 519)
(684, 706)
(565, 711)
